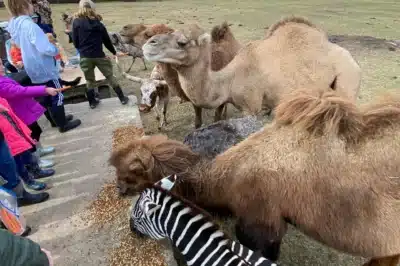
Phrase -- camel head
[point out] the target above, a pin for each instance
(139, 34)
(145, 161)
(182, 47)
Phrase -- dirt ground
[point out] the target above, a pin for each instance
(348, 23)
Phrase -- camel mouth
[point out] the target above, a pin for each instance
(144, 108)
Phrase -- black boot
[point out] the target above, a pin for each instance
(58, 113)
(91, 96)
(124, 100)
(25, 198)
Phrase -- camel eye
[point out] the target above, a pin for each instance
(182, 44)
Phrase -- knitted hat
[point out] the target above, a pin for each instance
(87, 3)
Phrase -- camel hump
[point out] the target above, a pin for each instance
(286, 20)
(218, 32)
(320, 112)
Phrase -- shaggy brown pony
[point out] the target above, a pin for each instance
(323, 165)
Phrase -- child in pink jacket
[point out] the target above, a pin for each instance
(17, 137)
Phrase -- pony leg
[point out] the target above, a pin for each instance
(144, 63)
(133, 61)
(260, 237)
(387, 261)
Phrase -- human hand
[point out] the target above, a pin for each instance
(120, 54)
(51, 91)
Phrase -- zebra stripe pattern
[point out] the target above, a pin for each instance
(159, 215)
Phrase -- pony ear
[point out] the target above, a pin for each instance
(167, 183)
(151, 208)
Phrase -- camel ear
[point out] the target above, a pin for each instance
(167, 183)
(204, 39)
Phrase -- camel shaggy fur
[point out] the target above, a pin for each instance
(294, 55)
(323, 165)
(223, 50)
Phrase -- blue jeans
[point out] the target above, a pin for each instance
(8, 168)
(22, 161)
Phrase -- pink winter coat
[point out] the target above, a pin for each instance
(16, 133)
(21, 99)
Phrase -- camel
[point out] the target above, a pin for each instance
(295, 54)
(323, 165)
(223, 50)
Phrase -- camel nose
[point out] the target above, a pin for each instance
(153, 41)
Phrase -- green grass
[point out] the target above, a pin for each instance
(250, 18)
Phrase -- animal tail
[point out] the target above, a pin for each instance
(320, 112)
(219, 32)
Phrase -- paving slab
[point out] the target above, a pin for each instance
(81, 170)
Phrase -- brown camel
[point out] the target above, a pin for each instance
(323, 165)
(223, 50)
(294, 55)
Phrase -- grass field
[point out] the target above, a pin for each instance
(352, 19)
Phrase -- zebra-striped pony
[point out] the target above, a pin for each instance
(160, 214)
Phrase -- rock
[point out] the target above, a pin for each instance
(216, 138)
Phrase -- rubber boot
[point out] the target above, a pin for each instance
(61, 121)
(124, 100)
(43, 151)
(91, 96)
(25, 198)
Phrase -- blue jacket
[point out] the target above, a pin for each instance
(37, 52)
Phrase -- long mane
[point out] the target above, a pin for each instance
(287, 20)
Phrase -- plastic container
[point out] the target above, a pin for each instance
(9, 212)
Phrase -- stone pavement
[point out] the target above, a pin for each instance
(81, 170)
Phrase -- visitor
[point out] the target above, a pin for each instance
(16, 250)
(89, 35)
(38, 20)
(38, 57)
(17, 137)
(27, 109)
(43, 9)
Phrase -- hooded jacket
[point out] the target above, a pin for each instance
(21, 99)
(37, 52)
(88, 36)
(16, 133)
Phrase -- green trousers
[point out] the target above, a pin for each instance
(104, 65)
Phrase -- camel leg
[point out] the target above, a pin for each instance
(260, 237)
(387, 261)
(218, 112)
(198, 119)
(133, 61)
(165, 101)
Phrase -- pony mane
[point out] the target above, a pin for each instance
(381, 115)
(291, 19)
(320, 112)
(170, 156)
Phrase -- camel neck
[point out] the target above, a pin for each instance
(204, 87)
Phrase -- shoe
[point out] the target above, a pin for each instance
(36, 185)
(29, 199)
(70, 125)
(27, 231)
(123, 99)
(63, 124)
(45, 151)
(43, 173)
(69, 117)
(91, 96)
(46, 163)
